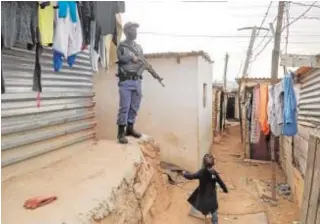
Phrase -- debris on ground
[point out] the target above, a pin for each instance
(173, 172)
(284, 190)
(36, 202)
(237, 155)
(257, 161)
(230, 219)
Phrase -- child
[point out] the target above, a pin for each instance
(204, 198)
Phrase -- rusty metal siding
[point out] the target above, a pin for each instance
(66, 114)
(309, 101)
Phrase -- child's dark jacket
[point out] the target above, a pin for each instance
(204, 198)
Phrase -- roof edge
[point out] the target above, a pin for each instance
(179, 54)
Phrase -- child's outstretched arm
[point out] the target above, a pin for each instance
(191, 176)
(221, 183)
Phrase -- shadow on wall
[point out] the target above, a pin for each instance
(106, 98)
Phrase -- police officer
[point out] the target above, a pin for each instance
(130, 70)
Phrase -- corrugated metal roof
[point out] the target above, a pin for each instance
(179, 54)
(217, 85)
(254, 79)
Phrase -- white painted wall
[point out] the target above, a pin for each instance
(204, 113)
(168, 114)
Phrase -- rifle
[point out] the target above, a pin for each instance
(145, 63)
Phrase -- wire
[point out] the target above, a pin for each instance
(204, 1)
(309, 17)
(265, 36)
(264, 19)
(287, 22)
(212, 36)
(301, 16)
(262, 22)
(288, 25)
(303, 4)
(260, 16)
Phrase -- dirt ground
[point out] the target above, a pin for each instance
(242, 199)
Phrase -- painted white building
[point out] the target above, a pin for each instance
(178, 116)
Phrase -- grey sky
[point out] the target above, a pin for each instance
(220, 19)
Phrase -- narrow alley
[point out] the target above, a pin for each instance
(111, 109)
(242, 204)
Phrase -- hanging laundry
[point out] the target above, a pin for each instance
(19, 23)
(94, 54)
(66, 8)
(275, 108)
(9, 23)
(109, 27)
(106, 15)
(20, 26)
(27, 23)
(3, 88)
(255, 128)
(97, 53)
(249, 109)
(289, 107)
(86, 17)
(102, 52)
(112, 42)
(37, 86)
(68, 34)
(263, 113)
(46, 23)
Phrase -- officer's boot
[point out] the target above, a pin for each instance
(121, 134)
(131, 132)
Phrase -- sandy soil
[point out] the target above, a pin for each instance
(243, 197)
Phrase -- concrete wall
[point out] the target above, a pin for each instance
(204, 112)
(168, 114)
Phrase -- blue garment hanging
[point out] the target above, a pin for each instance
(64, 6)
(68, 34)
(290, 107)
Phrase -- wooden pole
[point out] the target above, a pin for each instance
(225, 96)
(274, 78)
(245, 70)
(225, 72)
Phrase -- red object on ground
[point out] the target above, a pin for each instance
(36, 202)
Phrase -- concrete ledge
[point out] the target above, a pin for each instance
(95, 186)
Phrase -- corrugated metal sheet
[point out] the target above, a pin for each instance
(309, 102)
(66, 115)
